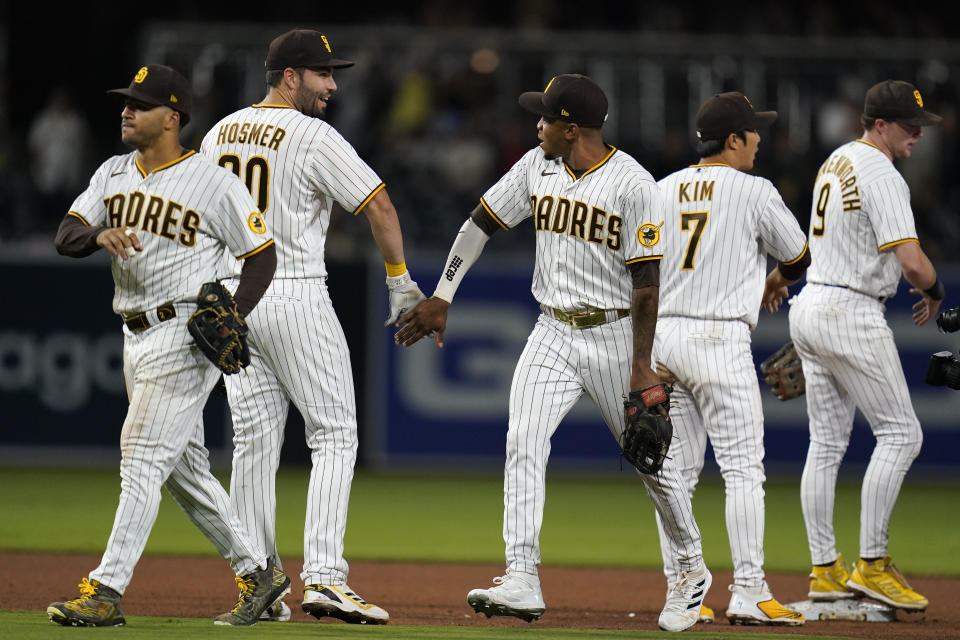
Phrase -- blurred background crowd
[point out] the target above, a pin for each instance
(431, 103)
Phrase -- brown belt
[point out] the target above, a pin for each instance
(141, 321)
(584, 319)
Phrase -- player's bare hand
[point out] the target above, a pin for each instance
(774, 290)
(773, 296)
(120, 242)
(925, 308)
(430, 316)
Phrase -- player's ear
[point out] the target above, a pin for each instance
(173, 120)
(733, 140)
(291, 77)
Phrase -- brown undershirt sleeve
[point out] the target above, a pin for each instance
(255, 277)
(76, 239)
(484, 220)
(795, 270)
(645, 274)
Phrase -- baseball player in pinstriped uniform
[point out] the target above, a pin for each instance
(297, 166)
(165, 215)
(596, 280)
(862, 237)
(719, 225)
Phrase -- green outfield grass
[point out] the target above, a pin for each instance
(30, 626)
(590, 521)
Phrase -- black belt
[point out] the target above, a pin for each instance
(141, 321)
(584, 319)
(843, 286)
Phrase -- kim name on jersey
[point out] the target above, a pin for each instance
(577, 220)
(166, 219)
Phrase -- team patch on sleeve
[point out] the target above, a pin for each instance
(649, 234)
(256, 223)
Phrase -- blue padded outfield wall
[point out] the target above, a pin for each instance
(449, 406)
(63, 398)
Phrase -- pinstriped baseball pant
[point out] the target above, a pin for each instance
(558, 365)
(298, 353)
(717, 395)
(168, 382)
(850, 361)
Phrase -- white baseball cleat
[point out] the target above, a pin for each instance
(277, 612)
(756, 605)
(685, 599)
(515, 594)
(342, 602)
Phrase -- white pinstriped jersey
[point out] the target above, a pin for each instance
(184, 212)
(861, 206)
(297, 167)
(719, 225)
(587, 229)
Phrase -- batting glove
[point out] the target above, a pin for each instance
(404, 295)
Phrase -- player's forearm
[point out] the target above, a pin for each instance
(465, 250)
(917, 268)
(776, 280)
(385, 226)
(643, 310)
(76, 239)
(255, 277)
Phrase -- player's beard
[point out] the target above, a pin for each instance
(308, 102)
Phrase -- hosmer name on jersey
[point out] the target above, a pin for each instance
(696, 190)
(166, 219)
(577, 219)
(259, 133)
(842, 167)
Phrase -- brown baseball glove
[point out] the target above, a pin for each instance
(783, 372)
(218, 329)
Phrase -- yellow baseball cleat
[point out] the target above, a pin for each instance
(756, 605)
(828, 584)
(706, 615)
(881, 580)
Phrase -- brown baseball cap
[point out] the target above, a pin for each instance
(571, 97)
(161, 85)
(727, 113)
(302, 48)
(896, 100)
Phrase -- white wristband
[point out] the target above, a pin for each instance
(464, 252)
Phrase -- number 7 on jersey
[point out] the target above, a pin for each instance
(698, 220)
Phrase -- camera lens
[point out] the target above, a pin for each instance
(951, 375)
(937, 368)
(949, 321)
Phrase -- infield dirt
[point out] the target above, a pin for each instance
(434, 594)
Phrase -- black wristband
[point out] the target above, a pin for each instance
(936, 291)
